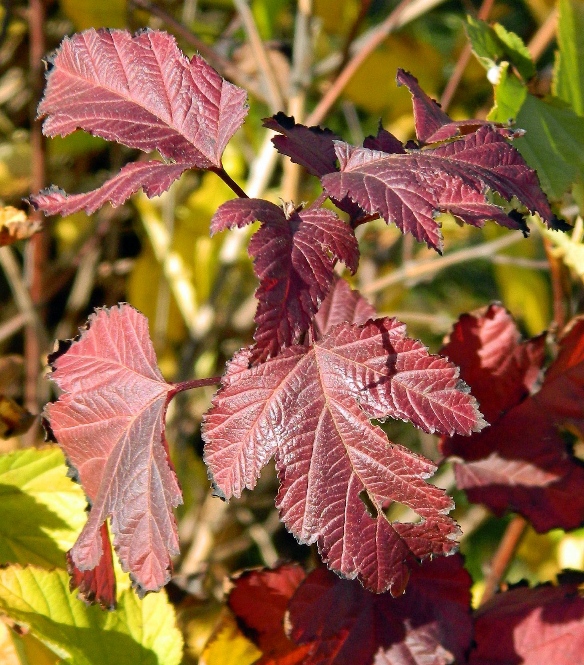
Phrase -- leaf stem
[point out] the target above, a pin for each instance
(194, 383)
(503, 556)
(228, 180)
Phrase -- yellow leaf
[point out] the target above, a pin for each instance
(229, 646)
(16, 225)
(95, 13)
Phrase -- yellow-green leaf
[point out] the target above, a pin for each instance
(229, 646)
(139, 631)
(41, 509)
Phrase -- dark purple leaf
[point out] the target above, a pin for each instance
(294, 256)
(140, 91)
(311, 408)
(384, 141)
(411, 189)
(110, 423)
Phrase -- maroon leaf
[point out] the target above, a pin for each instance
(259, 599)
(140, 91)
(110, 423)
(411, 189)
(311, 408)
(432, 124)
(384, 141)
(342, 305)
(536, 626)
(294, 254)
(521, 462)
(99, 583)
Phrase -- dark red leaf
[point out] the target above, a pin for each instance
(384, 141)
(140, 91)
(110, 423)
(259, 599)
(411, 189)
(522, 462)
(99, 583)
(432, 124)
(342, 305)
(294, 256)
(310, 407)
(540, 626)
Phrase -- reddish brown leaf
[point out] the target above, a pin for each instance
(99, 583)
(140, 91)
(294, 254)
(110, 423)
(540, 626)
(342, 305)
(521, 462)
(411, 189)
(311, 408)
(260, 599)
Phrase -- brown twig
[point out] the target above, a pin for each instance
(559, 300)
(275, 96)
(377, 37)
(364, 8)
(462, 61)
(503, 556)
(544, 36)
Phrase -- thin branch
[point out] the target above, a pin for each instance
(195, 383)
(463, 59)
(275, 96)
(363, 9)
(12, 326)
(544, 36)
(226, 68)
(559, 299)
(334, 92)
(503, 556)
(425, 268)
(228, 180)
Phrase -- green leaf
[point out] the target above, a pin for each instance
(41, 509)
(568, 81)
(553, 144)
(494, 45)
(569, 248)
(139, 631)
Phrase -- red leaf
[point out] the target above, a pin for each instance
(537, 626)
(384, 141)
(521, 462)
(342, 305)
(311, 408)
(140, 91)
(98, 584)
(260, 599)
(411, 189)
(293, 255)
(110, 423)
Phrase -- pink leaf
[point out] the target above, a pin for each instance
(310, 407)
(537, 626)
(110, 423)
(141, 91)
(294, 256)
(411, 189)
(342, 305)
(522, 462)
(153, 177)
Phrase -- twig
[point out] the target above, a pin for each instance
(555, 265)
(228, 180)
(226, 68)
(12, 326)
(364, 8)
(376, 38)
(463, 59)
(424, 268)
(503, 556)
(544, 36)
(275, 96)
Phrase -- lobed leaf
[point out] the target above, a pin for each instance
(522, 462)
(140, 91)
(294, 255)
(311, 408)
(110, 423)
(342, 305)
(534, 626)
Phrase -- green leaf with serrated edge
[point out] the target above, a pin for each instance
(493, 45)
(139, 631)
(41, 509)
(553, 144)
(568, 80)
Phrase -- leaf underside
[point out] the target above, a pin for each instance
(522, 462)
(142, 92)
(311, 409)
(110, 423)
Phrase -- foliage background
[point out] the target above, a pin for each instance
(197, 291)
